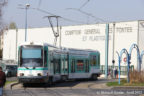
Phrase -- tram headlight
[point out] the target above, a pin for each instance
(21, 74)
(39, 74)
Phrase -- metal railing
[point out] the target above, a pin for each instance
(123, 69)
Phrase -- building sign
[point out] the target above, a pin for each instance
(94, 38)
(73, 32)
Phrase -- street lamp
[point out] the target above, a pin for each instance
(26, 7)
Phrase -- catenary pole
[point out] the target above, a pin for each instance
(27, 6)
(113, 50)
(106, 49)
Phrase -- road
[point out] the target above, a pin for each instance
(70, 88)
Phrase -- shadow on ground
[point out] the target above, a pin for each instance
(70, 83)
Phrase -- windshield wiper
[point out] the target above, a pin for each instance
(26, 67)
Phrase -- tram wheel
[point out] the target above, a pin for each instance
(64, 78)
(25, 84)
(94, 77)
(50, 81)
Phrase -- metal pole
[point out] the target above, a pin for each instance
(26, 25)
(16, 44)
(60, 37)
(106, 49)
(113, 61)
(119, 66)
(27, 6)
(128, 65)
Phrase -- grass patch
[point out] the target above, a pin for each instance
(9, 82)
(124, 83)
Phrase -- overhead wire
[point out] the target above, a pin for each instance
(88, 14)
(39, 4)
(84, 4)
(53, 15)
(41, 10)
(66, 19)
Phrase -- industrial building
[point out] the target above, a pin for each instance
(92, 36)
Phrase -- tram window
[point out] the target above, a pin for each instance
(73, 66)
(99, 60)
(93, 60)
(56, 65)
(66, 64)
(31, 56)
(63, 65)
(45, 58)
(80, 65)
(86, 66)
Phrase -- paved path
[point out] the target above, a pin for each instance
(70, 92)
(71, 88)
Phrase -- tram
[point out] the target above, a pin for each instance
(44, 63)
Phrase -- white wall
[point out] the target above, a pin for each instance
(80, 37)
(125, 36)
(141, 40)
(9, 45)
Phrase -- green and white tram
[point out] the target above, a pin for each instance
(44, 63)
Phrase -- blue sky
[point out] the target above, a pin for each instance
(107, 10)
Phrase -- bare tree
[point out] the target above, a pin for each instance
(12, 25)
(2, 4)
(2, 26)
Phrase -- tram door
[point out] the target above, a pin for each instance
(80, 65)
(86, 66)
(57, 65)
(64, 64)
(72, 66)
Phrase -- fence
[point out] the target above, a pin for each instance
(123, 69)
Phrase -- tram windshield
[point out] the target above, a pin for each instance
(31, 56)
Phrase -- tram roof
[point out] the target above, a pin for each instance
(37, 43)
(71, 50)
(81, 50)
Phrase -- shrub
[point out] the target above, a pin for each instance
(136, 77)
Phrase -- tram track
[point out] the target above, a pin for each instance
(59, 89)
(28, 93)
(70, 88)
